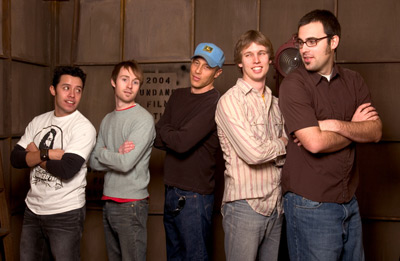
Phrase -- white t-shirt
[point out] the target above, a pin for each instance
(73, 134)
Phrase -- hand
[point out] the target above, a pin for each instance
(365, 112)
(31, 147)
(56, 154)
(296, 140)
(126, 147)
(285, 140)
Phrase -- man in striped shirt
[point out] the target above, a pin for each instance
(250, 130)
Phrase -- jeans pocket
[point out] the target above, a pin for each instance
(308, 204)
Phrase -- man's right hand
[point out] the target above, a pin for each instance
(126, 147)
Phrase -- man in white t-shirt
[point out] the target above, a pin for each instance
(56, 146)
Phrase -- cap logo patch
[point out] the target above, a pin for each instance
(207, 49)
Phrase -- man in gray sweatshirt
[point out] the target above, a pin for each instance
(123, 149)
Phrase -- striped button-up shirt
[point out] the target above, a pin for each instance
(249, 126)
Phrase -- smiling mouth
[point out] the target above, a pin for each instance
(257, 69)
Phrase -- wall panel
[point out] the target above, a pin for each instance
(381, 240)
(30, 27)
(99, 32)
(98, 95)
(3, 106)
(385, 93)
(30, 94)
(370, 30)
(378, 191)
(222, 22)
(1, 30)
(157, 30)
(65, 32)
(278, 19)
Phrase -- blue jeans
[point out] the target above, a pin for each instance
(187, 223)
(248, 234)
(46, 237)
(125, 229)
(323, 231)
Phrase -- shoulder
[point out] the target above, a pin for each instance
(232, 93)
(181, 92)
(297, 81)
(348, 73)
(43, 116)
(145, 114)
(83, 123)
(300, 74)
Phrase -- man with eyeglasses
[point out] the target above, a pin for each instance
(327, 110)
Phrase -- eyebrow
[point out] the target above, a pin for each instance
(124, 75)
(68, 84)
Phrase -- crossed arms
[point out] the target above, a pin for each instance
(333, 135)
(60, 164)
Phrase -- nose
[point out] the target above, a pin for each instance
(303, 47)
(71, 92)
(198, 69)
(256, 58)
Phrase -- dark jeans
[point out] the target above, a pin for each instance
(125, 230)
(187, 223)
(47, 237)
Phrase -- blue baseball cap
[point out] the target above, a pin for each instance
(211, 53)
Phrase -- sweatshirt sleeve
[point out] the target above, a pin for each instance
(142, 136)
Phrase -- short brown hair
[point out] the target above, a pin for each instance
(131, 64)
(249, 37)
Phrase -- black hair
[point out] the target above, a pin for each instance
(68, 70)
(328, 20)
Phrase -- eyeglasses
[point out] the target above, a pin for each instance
(310, 42)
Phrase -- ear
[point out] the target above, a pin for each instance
(52, 90)
(240, 65)
(335, 42)
(112, 83)
(217, 73)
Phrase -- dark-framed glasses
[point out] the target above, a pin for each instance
(310, 42)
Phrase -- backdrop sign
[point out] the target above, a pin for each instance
(155, 92)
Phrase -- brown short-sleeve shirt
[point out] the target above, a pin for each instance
(305, 98)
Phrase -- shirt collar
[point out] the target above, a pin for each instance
(316, 77)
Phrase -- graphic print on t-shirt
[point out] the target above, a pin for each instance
(53, 138)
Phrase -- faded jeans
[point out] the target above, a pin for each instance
(323, 231)
(47, 237)
(248, 234)
(125, 229)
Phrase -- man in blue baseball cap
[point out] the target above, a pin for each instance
(188, 133)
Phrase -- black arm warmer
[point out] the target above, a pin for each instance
(67, 167)
(18, 157)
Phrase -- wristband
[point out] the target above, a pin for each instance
(44, 154)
